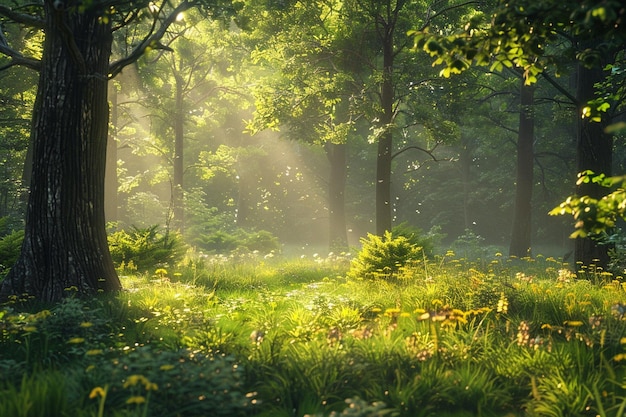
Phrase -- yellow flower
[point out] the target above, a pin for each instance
(76, 340)
(86, 324)
(136, 399)
(134, 379)
(97, 392)
(573, 323)
(622, 341)
(94, 352)
(166, 367)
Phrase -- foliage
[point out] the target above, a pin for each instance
(520, 34)
(182, 382)
(359, 408)
(594, 216)
(417, 237)
(41, 394)
(223, 242)
(279, 338)
(384, 256)
(10, 246)
(146, 247)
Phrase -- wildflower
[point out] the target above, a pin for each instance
(573, 323)
(392, 312)
(134, 380)
(166, 367)
(523, 334)
(503, 304)
(97, 392)
(86, 324)
(76, 340)
(136, 399)
(94, 352)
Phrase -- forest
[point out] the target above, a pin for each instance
(312, 208)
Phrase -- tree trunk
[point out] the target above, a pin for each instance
(338, 235)
(65, 247)
(521, 234)
(110, 176)
(594, 152)
(385, 142)
(179, 135)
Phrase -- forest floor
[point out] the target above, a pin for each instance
(295, 337)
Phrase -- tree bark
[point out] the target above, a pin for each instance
(385, 142)
(338, 235)
(110, 177)
(521, 234)
(594, 151)
(179, 137)
(65, 247)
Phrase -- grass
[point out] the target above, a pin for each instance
(278, 337)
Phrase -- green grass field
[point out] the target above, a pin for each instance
(279, 337)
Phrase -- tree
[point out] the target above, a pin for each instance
(65, 245)
(521, 234)
(311, 96)
(544, 37)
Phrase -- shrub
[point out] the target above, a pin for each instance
(223, 242)
(417, 237)
(383, 256)
(145, 247)
(10, 246)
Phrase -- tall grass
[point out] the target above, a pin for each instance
(270, 337)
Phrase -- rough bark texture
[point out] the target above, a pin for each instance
(338, 235)
(594, 152)
(521, 233)
(65, 247)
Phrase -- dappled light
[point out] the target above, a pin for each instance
(317, 208)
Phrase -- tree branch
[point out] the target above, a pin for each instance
(18, 59)
(152, 40)
(429, 152)
(24, 19)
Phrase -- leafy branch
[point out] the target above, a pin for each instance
(594, 216)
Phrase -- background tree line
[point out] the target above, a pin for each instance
(314, 122)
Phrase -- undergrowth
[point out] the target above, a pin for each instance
(260, 336)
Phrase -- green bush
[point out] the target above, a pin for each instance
(383, 256)
(147, 247)
(10, 246)
(417, 237)
(223, 242)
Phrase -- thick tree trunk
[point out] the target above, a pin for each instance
(338, 235)
(521, 233)
(65, 247)
(594, 152)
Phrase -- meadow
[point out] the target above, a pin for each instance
(269, 336)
